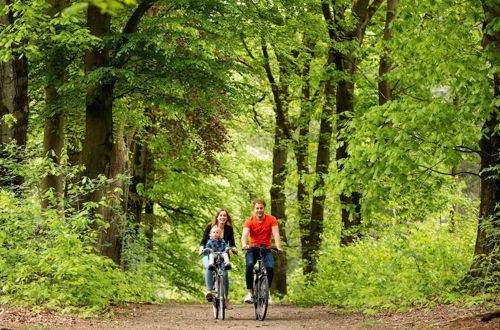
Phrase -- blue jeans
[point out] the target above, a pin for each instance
(251, 259)
(209, 276)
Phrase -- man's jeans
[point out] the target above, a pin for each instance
(209, 276)
(251, 259)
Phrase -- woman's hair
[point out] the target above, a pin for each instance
(215, 222)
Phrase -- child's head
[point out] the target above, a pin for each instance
(215, 232)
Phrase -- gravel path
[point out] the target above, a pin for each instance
(289, 317)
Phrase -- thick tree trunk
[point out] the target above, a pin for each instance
(110, 237)
(14, 102)
(102, 154)
(98, 141)
(53, 135)
(487, 257)
(98, 145)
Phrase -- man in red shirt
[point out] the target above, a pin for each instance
(261, 227)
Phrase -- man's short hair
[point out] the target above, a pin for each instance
(259, 201)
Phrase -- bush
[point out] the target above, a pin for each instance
(410, 263)
(47, 259)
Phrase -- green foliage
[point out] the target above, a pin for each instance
(415, 263)
(48, 260)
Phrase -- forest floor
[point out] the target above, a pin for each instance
(289, 317)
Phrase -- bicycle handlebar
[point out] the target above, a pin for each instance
(263, 247)
(204, 251)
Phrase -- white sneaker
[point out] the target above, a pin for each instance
(248, 298)
(269, 301)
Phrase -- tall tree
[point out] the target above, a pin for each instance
(487, 245)
(279, 91)
(14, 109)
(300, 145)
(101, 154)
(347, 64)
(53, 136)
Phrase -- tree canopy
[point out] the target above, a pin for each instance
(371, 128)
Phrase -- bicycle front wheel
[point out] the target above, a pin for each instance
(222, 298)
(215, 300)
(261, 298)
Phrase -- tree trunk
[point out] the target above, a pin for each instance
(13, 102)
(346, 63)
(277, 192)
(312, 238)
(301, 157)
(110, 236)
(53, 135)
(384, 86)
(278, 201)
(149, 223)
(98, 141)
(102, 154)
(98, 148)
(486, 253)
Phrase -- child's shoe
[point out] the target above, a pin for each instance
(209, 296)
(227, 266)
(211, 267)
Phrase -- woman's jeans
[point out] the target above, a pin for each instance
(251, 259)
(209, 276)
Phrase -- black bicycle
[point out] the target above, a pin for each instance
(219, 292)
(261, 286)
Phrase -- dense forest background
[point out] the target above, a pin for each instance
(371, 127)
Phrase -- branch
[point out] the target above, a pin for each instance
(133, 22)
(174, 209)
(281, 118)
(255, 115)
(131, 27)
(450, 174)
(249, 52)
(464, 149)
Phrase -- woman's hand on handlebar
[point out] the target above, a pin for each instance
(203, 251)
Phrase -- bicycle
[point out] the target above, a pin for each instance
(261, 286)
(219, 295)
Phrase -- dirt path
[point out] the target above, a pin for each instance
(199, 316)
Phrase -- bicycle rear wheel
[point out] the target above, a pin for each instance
(261, 298)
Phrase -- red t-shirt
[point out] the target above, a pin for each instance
(261, 233)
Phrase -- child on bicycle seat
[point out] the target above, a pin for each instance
(217, 244)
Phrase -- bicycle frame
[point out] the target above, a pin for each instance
(219, 298)
(261, 285)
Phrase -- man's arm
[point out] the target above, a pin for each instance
(277, 237)
(244, 237)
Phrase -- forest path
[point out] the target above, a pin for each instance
(289, 317)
